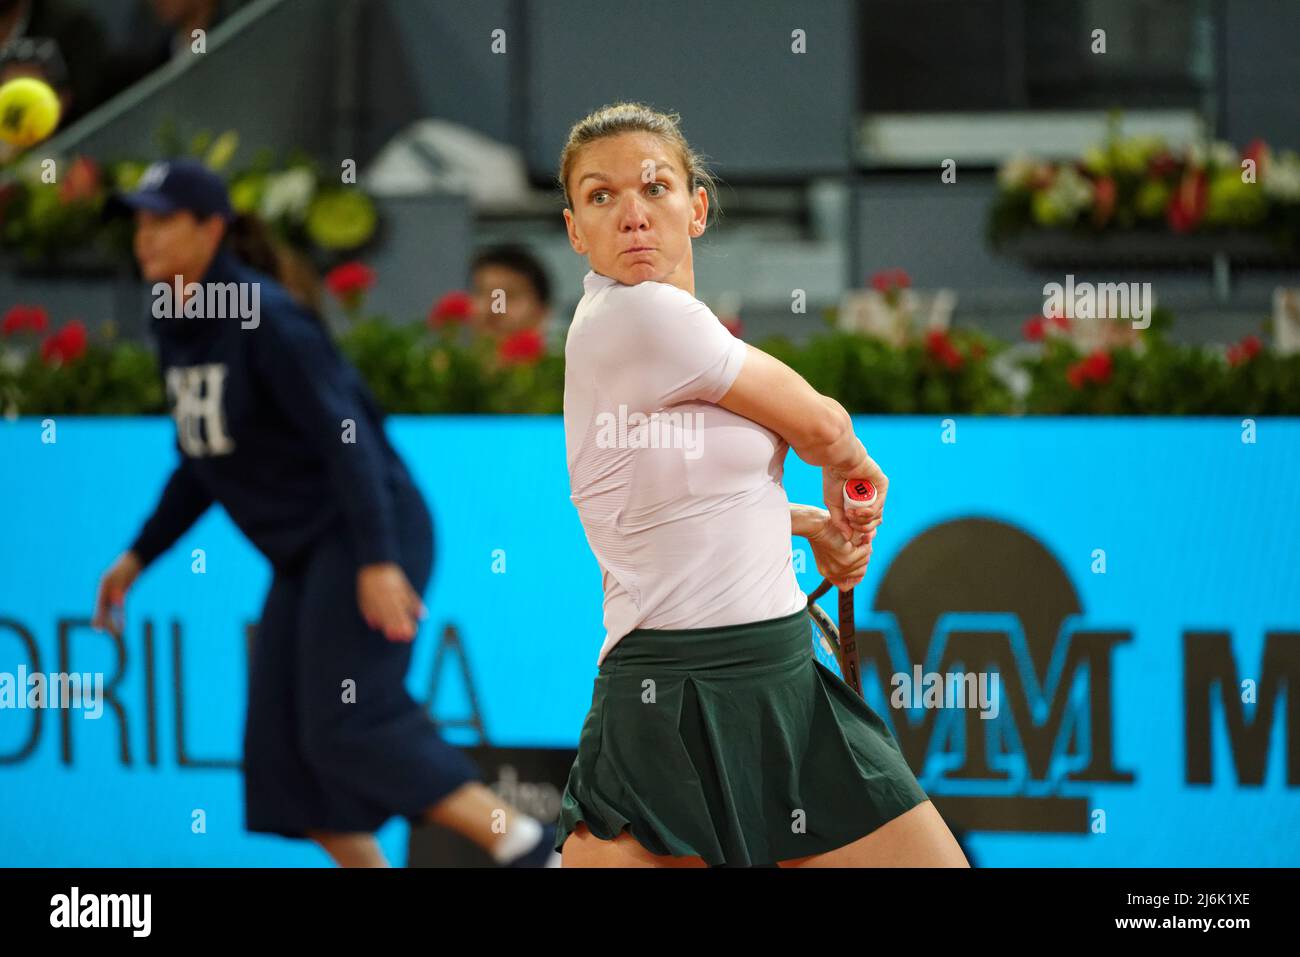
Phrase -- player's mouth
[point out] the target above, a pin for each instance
(638, 249)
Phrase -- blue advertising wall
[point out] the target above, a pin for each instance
(989, 522)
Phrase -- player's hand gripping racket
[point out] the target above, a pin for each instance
(841, 643)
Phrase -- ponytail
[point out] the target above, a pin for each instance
(252, 242)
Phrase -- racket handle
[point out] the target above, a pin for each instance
(858, 493)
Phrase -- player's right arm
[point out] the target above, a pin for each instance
(660, 346)
(817, 427)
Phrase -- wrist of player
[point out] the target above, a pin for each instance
(853, 460)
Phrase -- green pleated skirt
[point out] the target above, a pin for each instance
(733, 744)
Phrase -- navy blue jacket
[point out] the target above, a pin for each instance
(262, 427)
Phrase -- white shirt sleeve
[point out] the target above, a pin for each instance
(658, 345)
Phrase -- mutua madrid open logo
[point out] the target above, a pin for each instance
(979, 596)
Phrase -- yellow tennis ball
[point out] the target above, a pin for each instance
(29, 111)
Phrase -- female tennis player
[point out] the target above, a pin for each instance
(275, 425)
(714, 737)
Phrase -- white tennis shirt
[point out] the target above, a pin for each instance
(681, 500)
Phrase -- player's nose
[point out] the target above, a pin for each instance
(634, 213)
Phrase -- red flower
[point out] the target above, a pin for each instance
(939, 345)
(1098, 366)
(24, 319)
(1162, 164)
(521, 347)
(1035, 328)
(1244, 351)
(734, 326)
(1095, 367)
(1061, 322)
(349, 281)
(7, 194)
(454, 307)
(1188, 206)
(81, 181)
(1104, 194)
(889, 280)
(66, 345)
(1255, 150)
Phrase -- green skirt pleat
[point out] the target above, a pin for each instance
(733, 744)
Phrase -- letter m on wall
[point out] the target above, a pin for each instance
(1209, 666)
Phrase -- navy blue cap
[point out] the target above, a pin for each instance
(179, 184)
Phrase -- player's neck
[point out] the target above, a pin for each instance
(683, 277)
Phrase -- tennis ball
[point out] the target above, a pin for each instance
(29, 111)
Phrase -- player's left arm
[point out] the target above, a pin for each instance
(835, 556)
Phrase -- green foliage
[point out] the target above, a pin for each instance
(109, 379)
(867, 375)
(1166, 379)
(52, 225)
(412, 369)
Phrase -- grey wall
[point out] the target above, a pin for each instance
(339, 77)
(1260, 72)
(756, 108)
(424, 58)
(335, 75)
(272, 72)
(93, 301)
(424, 252)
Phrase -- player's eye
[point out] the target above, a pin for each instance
(598, 193)
(662, 186)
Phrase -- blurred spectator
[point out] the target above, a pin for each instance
(57, 41)
(511, 292)
(161, 29)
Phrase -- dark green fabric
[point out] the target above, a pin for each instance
(707, 741)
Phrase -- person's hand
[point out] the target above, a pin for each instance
(109, 602)
(857, 524)
(838, 559)
(388, 602)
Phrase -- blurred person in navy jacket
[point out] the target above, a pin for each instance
(276, 426)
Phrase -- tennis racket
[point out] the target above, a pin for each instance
(837, 646)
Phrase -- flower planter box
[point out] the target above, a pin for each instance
(1055, 248)
(87, 263)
